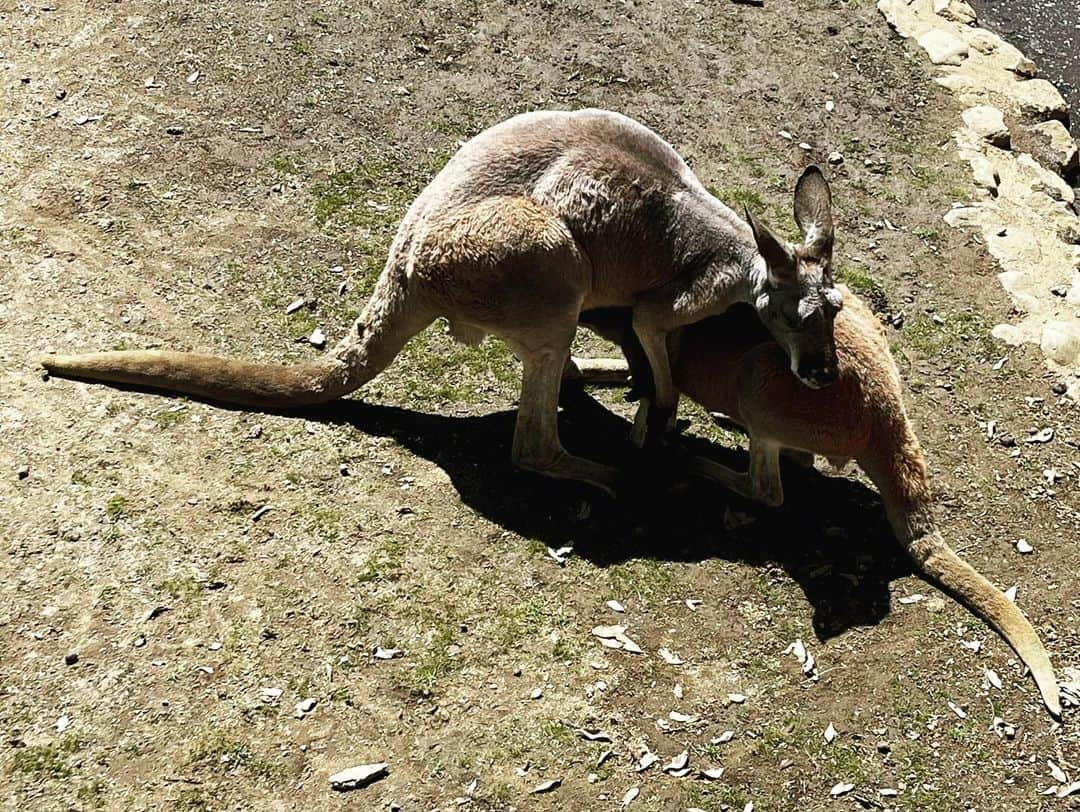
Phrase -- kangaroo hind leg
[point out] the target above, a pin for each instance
(761, 483)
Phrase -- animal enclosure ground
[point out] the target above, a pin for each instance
(176, 174)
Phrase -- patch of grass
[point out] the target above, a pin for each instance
(181, 587)
(557, 732)
(927, 235)
(367, 196)
(950, 334)
(47, 760)
(116, 508)
(436, 661)
(92, 794)
(190, 800)
(738, 197)
(860, 281)
(923, 177)
(531, 615)
(641, 579)
(171, 417)
(216, 751)
(284, 165)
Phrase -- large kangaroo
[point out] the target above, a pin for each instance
(531, 222)
(730, 364)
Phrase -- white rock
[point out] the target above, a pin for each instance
(942, 47)
(1023, 547)
(615, 606)
(955, 10)
(830, 733)
(984, 174)
(841, 789)
(678, 763)
(835, 158)
(546, 786)
(1062, 146)
(983, 41)
(1040, 100)
(304, 707)
(317, 339)
(630, 795)
(1060, 342)
(359, 776)
(386, 653)
(989, 123)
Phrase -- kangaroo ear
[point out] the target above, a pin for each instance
(779, 259)
(813, 211)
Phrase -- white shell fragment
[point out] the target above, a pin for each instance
(669, 658)
(1023, 547)
(615, 637)
(1010, 593)
(723, 738)
(305, 706)
(1057, 772)
(678, 763)
(956, 709)
(615, 606)
(647, 760)
(594, 736)
(604, 757)
(737, 699)
(693, 603)
(841, 789)
(295, 305)
(1068, 789)
(992, 678)
(713, 774)
(536, 693)
(909, 599)
(359, 776)
(830, 734)
(546, 786)
(560, 555)
(387, 653)
(1042, 436)
(317, 338)
(630, 795)
(682, 718)
(888, 792)
(269, 694)
(805, 658)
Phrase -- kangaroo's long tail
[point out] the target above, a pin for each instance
(900, 474)
(937, 559)
(387, 322)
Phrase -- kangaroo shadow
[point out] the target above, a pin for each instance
(830, 536)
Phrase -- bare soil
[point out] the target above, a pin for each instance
(175, 174)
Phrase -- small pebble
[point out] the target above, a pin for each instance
(23, 472)
(71, 658)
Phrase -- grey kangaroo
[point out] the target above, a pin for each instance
(531, 222)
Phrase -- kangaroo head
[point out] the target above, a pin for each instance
(797, 300)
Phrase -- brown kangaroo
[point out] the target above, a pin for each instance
(729, 364)
(531, 222)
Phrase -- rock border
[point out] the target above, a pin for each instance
(1013, 136)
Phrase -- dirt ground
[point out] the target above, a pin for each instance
(175, 174)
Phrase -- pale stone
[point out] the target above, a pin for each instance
(956, 10)
(1040, 100)
(985, 175)
(1063, 148)
(1009, 334)
(1022, 66)
(942, 47)
(1061, 342)
(983, 41)
(989, 123)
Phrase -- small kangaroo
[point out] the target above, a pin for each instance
(729, 364)
(531, 222)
